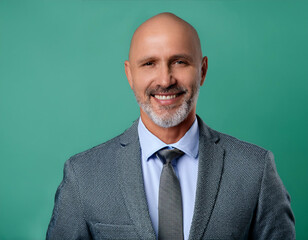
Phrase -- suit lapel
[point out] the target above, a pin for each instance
(209, 175)
(131, 180)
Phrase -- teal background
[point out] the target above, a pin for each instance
(63, 89)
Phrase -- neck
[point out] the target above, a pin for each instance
(172, 134)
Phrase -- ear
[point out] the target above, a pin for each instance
(203, 69)
(128, 73)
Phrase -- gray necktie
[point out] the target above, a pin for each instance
(170, 212)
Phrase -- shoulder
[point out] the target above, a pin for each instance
(236, 152)
(244, 157)
(235, 145)
(229, 143)
(94, 159)
(98, 150)
(104, 153)
(244, 162)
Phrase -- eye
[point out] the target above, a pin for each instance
(148, 64)
(180, 62)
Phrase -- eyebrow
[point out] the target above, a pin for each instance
(146, 59)
(182, 56)
(172, 58)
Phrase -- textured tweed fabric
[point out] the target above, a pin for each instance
(239, 193)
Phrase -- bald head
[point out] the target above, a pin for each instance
(165, 24)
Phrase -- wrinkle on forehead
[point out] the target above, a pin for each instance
(165, 23)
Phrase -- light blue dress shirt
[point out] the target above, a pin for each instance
(186, 168)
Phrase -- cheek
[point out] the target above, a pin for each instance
(187, 78)
(142, 80)
(140, 86)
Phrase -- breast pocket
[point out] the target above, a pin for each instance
(102, 231)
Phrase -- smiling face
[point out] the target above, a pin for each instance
(165, 70)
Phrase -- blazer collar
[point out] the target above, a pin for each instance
(132, 184)
(211, 157)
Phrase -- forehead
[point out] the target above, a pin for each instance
(164, 40)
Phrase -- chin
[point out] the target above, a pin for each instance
(168, 120)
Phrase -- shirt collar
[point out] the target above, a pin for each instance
(150, 144)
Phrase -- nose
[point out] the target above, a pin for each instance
(165, 78)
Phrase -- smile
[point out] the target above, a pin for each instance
(165, 97)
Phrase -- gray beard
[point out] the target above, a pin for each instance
(168, 120)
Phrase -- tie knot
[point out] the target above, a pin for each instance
(167, 155)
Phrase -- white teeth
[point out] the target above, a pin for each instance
(163, 97)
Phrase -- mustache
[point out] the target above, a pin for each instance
(172, 89)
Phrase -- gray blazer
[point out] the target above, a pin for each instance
(239, 193)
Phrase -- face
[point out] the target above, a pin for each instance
(165, 72)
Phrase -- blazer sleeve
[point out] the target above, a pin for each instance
(67, 221)
(273, 217)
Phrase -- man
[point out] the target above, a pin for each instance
(170, 176)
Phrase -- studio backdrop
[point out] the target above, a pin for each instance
(63, 89)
